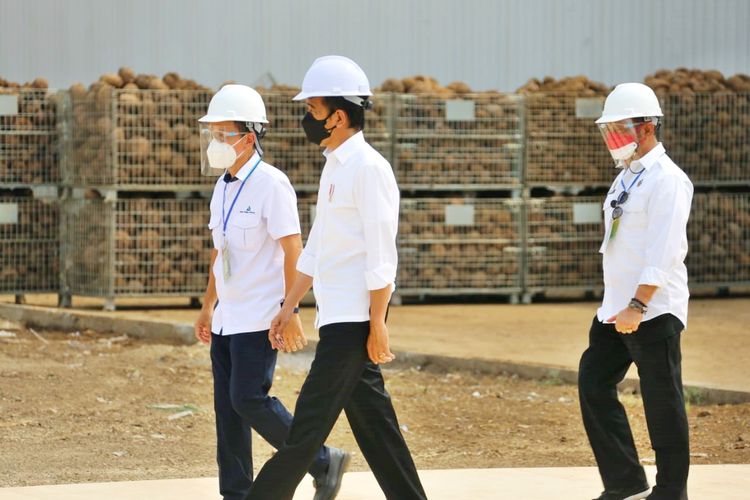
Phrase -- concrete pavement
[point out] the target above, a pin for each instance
(707, 482)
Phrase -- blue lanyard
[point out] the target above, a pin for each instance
(225, 218)
(632, 183)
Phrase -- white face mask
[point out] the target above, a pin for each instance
(221, 155)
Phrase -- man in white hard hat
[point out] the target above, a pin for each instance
(645, 304)
(350, 261)
(256, 235)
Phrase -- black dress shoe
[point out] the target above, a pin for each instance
(638, 493)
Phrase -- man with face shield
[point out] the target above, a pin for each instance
(350, 261)
(256, 236)
(645, 304)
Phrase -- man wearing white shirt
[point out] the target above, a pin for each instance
(256, 234)
(644, 308)
(350, 260)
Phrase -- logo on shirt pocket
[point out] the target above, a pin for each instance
(248, 210)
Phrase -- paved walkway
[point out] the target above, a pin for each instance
(707, 482)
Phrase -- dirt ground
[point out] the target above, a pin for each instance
(80, 408)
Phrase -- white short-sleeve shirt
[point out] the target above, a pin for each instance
(265, 211)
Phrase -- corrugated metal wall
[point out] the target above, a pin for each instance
(486, 43)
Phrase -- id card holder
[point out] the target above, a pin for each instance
(226, 267)
(613, 231)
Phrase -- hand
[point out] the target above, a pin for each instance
(378, 348)
(293, 338)
(278, 325)
(203, 327)
(626, 321)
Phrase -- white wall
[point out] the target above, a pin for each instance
(489, 44)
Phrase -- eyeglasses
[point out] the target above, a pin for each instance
(616, 204)
(221, 135)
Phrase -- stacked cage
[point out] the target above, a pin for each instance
(458, 160)
(136, 209)
(567, 172)
(29, 202)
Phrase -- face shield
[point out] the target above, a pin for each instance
(621, 139)
(217, 149)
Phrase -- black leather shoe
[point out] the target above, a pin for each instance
(328, 485)
(635, 494)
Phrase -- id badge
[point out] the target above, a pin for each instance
(613, 231)
(226, 267)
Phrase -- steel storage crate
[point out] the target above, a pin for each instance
(719, 240)
(286, 147)
(306, 208)
(563, 144)
(29, 243)
(459, 246)
(708, 136)
(563, 236)
(133, 139)
(135, 247)
(470, 142)
(28, 137)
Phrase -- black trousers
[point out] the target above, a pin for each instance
(342, 377)
(243, 367)
(655, 350)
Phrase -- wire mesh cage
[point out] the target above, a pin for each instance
(719, 239)
(28, 137)
(459, 246)
(306, 208)
(708, 135)
(563, 236)
(29, 242)
(133, 247)
(563, 145)
(134, 139)
(286, 147)
(471, 142)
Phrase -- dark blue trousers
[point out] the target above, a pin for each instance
(243, 367)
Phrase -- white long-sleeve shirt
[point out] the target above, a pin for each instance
(351, 249)
(650, 244)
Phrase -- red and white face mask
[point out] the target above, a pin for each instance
(621, 139)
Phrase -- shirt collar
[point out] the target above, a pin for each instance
(347, 149)
(650, 158)
(247, 167)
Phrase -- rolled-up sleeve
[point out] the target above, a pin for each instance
(377, 199)
(307, 259)
(668, 213)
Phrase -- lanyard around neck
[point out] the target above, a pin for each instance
(225, 217)
(622, 183)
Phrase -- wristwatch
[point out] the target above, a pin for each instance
(638, 306)
(295, 310)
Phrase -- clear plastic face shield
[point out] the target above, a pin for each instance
(622, 139)
(218, 143)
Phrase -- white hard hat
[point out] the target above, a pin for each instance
(236, 103)
(335, 76)
(630, 100)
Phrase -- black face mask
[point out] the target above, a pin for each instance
(316, 130)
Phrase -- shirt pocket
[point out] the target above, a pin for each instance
(635, 213)
(246, 231)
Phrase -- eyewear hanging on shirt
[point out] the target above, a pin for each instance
(616, 205)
